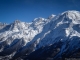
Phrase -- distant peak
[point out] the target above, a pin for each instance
(38, 19)
(52, 16)
(3, 23)
(17, 21)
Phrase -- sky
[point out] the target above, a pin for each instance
(27, 10)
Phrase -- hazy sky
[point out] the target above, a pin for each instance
(27, 10)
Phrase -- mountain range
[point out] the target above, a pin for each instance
(54, 38)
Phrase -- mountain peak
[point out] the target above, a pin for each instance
(2, 25)
(17, 21)
(72, 14)
(52, 16)
(70, 11)
(38, 19)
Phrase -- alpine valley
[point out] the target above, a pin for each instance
(54, 38)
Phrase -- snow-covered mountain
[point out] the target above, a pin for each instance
(54, 38)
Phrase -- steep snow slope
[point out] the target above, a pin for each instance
(62, 27)
(64, 30)
(61, 40)
(22, 38)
